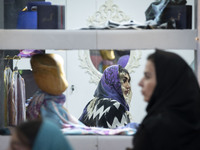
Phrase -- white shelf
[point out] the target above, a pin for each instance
(97, 39)
(47, 39)
(88, 142)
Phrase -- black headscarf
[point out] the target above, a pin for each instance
(177, 88)
(173, 112)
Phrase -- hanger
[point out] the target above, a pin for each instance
(16, 57)
(11, 58)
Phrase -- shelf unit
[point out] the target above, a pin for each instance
(100, 39)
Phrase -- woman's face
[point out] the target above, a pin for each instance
(148, 82)
(125, 85)
(16, 144)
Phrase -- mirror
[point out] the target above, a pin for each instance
(92, 60)
(102, 59)
(93, 71)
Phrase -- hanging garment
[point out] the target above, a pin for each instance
(7, 94)
(18, 109)
(21, 99)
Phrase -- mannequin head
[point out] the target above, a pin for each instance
(107, 54)
(123, 60)
(48, 73)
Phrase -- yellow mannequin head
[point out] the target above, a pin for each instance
(48, 73)
(107, 54)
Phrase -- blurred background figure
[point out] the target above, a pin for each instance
(173, 95)
(38, 135)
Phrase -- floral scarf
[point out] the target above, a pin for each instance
(49, 106)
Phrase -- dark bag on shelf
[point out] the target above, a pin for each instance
(42, 15)
(27, 18)
(182, 14)
(51, 17)
(165, 11)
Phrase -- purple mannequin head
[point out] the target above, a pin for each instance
(123, 60)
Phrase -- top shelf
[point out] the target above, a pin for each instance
(97, 39)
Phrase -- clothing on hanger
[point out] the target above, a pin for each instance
(14, 98)
(18, 96)
(7, 94)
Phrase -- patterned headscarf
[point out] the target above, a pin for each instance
(110, 87)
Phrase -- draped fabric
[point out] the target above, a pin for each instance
(49, 106)
(70, 129)
(49, 137)
(108, 109)
(14, 87)
(33, 108)
(173, 112)
(7, 94)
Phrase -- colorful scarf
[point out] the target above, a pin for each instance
(49, 106)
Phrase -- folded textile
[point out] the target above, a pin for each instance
(74, 129)
(26, 53)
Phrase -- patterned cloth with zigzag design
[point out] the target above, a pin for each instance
(105, 112)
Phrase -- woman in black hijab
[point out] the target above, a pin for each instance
(173, 112)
